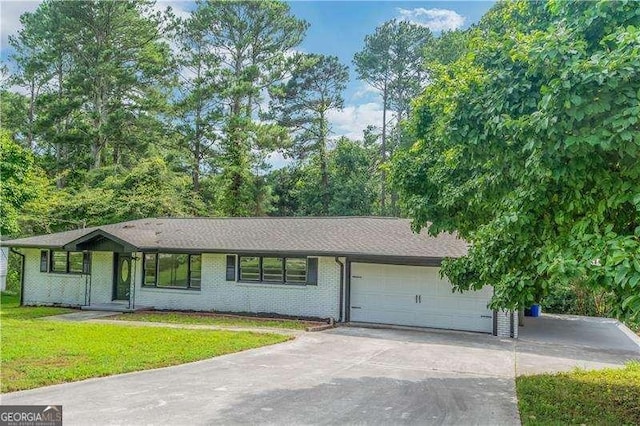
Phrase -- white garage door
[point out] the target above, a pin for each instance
(415, 296)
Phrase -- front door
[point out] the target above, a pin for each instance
(121, 276)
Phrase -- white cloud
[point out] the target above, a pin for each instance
(353, 119)
(179, 8)
(277, 160)
(365, 90)
(10, 12)
(434, 19)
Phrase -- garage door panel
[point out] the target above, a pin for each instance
(386, 316)
(392, 301)
(387, 294)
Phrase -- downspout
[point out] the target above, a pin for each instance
(341, 288)
(511, 325)
(347, 304)
(21, 273)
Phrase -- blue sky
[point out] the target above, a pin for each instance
(336, 28)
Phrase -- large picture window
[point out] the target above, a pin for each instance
(66, 262)
(172, 270)
(284, 270)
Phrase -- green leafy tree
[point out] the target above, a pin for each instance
(303, 103)
(252, 41)
(13, 113)
(528, 147)
(351, 190)
(446, 48)
(119, 61)
(113, 194)
(392, 62)
(94, 71)
(196, 108)
(283, 183)
(21, 181)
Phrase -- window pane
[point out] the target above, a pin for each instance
(250, 268)
(296, 270)
(181, 274)
(196, 267)
(272, 269)
(165, 270)
(44, 261)
(75, 261)
(59, 261)
(172, 270)
(149, 269)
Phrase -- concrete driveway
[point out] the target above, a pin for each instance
(553, 343)
(349, 375)
(345, 375)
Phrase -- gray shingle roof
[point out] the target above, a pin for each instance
(333, 236)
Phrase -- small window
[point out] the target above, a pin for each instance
(273, 269)
(150, 265)
(312, 274)
(76, 260)
(58, 261)
(231, 267)
(250, 268)
(296, 270)
(195, 270)
(44, 261)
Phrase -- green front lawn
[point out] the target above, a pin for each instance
(601, 397)
(212, 319)
(9, 309)
(38, 352)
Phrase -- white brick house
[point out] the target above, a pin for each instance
(349, 269)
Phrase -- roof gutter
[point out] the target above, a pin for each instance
(21, 273)
(390, 259)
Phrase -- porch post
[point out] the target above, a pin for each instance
(132, 288)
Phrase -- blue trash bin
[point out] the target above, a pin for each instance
(535, 310)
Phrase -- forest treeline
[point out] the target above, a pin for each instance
(113, 111)
(521, 133)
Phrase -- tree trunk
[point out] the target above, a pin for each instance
(196, 170)
(61, 151)
(32, 101)
(383, 152)
(235, 154)
(324, 174)
(195, 173)
(394, 194)
(100, 122)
